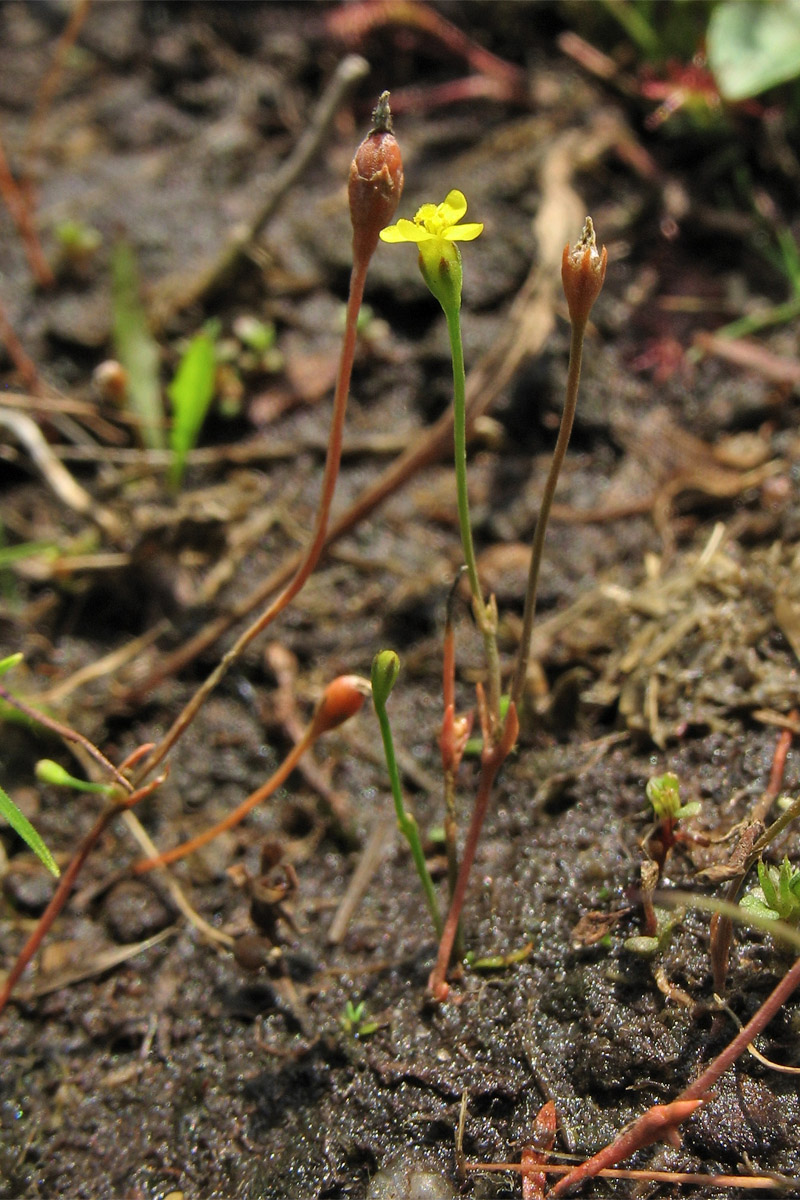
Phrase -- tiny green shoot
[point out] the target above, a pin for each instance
(191, 392)
(355, 1021)
(777, 896)
(663, 792)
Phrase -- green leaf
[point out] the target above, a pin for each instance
(136, 348)
(21, 825)
(191, 392)
(6, 664)
(753, 45)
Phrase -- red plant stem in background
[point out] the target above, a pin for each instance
(49, 87)
(544, 1134)
(25, 365)
(21, 214)
(351, 23)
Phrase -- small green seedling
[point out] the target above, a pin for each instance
(648, 945)
(777, 896)
(257, 339)
(663, 792)
(191, 392)
(355, 1022)
(78, 243)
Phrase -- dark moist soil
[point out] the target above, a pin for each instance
(666, 640)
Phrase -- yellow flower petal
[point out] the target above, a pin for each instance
(454, 207)
(404, 231)
(463, 233)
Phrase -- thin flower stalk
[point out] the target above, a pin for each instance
(342, 698)
(435, 230)
(582, 272)
(375, 188)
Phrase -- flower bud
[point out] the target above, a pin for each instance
(376, 181)
(54, 774)
(583, 269)
(385, 669)
(342, 699)
(440, 267)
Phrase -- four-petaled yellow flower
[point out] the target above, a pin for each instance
(435, 221)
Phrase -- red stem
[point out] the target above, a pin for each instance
(65, 885)
(494, 757)
(312, 555)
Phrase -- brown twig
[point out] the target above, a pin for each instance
(49, 86)
(650, 1176)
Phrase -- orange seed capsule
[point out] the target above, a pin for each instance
(376, 181)
(583, 270)
(341, 700)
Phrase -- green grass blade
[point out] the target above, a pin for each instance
(21, 825)
(191, 392)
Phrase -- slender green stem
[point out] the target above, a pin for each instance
(564, 432)
(485, 614)
(460, 436)
(405, 820)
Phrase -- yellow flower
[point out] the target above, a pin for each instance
(435, 221)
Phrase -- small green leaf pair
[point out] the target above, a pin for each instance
(777, 898)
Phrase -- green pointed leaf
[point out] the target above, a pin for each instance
(191, 392)
(21, 825)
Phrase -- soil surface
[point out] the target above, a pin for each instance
(141, 1058)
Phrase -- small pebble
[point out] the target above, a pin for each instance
(133, 911)
(28, 887)
(409, 1178)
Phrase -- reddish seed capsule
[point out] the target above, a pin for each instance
(341, 700)
(583, 270)
(376, 181)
